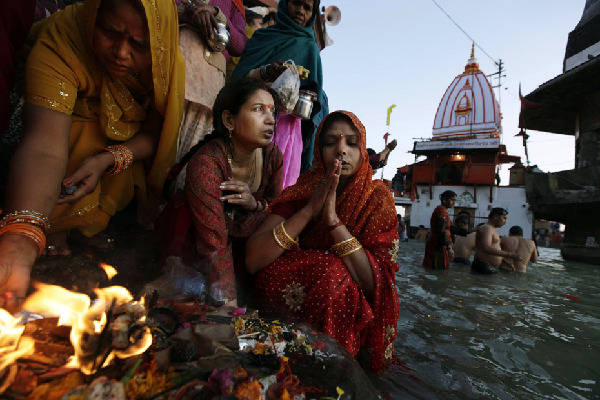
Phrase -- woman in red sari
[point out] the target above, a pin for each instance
(438, 249)
(232, 176)
(326, 254)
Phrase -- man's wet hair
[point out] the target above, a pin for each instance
(461, 220)
(515, 231)
(497, 211)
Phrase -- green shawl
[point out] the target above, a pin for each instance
(285, 40)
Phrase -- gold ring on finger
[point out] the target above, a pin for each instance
(240, 188)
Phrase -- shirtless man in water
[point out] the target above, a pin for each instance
(421, 234)
(463, 248)
(488, 253)
(464, 245)
(526, 248)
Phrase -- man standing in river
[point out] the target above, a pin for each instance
(488, 253)
(525, 248)
(464, 246)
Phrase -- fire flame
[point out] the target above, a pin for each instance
(94, 343)
(109, 270)
(12, 345)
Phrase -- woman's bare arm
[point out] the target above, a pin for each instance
(36, 170)
(40, 161)
(262, 249)
(357, 263)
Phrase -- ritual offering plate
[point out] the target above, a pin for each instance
(116, 348)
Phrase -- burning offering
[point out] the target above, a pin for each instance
(112, 326)
(12, 346)
(171, 349)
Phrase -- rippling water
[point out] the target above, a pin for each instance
(501, 336)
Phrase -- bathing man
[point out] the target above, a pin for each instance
(463, 248)
(526, 248)
(421, 234)
(488, 253)
(464, 241)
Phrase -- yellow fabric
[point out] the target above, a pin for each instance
(63, 74)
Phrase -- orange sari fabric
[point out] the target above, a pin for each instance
(313, 286)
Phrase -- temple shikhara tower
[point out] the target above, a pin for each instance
(464, 154)
(469, 108)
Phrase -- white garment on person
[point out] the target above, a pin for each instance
(403, 235)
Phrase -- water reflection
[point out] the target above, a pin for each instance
(504, 336)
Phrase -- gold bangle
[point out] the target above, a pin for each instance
(26, 216)
(28, 212)
(346, 247)
(335, 246)
(351, 251)
(123, 158)
(282, 238)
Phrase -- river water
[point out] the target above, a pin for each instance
(501, 336)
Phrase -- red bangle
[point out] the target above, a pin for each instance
(332, 227)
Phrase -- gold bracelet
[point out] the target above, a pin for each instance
(346, 247)
(282, 238)
(26, 216)
(335, 246)
(123, 158)
(357, 248)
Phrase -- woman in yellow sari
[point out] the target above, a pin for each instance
(104, 86)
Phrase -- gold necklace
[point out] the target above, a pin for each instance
(252, 174)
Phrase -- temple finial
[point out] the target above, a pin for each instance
(472, 64)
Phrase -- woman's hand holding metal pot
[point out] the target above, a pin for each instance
(202, 16)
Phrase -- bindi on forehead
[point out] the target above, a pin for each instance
(340, 136)
(270, 107)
